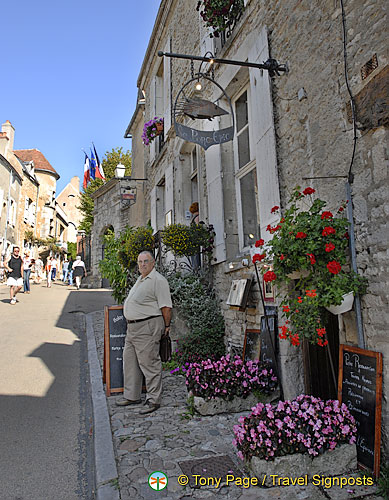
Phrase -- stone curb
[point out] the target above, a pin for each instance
(105, 464)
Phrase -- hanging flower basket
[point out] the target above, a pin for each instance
(151, 130)
(345, 306)
(221, 15)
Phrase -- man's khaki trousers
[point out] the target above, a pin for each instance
(141, 356)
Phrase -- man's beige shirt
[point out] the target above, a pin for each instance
(147, 297)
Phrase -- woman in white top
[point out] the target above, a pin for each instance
(26, 271)
(78, 270)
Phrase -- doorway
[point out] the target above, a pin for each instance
(319, 376)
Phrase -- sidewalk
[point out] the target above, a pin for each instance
(165, 439)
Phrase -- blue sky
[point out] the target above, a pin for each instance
(69, 72)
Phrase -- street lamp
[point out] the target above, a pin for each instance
(120, 170)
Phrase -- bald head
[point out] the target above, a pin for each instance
(146, 263)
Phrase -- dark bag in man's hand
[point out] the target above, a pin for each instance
(165, 348)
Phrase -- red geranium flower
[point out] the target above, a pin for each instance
(326, 215)
(310, 293)
(340, 209)
(299, 299)
(328, 230)
(269, 276)
(258, 257)
(312, 258)
(274, 209)
(301, 235)
(285, 309)
(308, 190)
(295, 339)
(259, 243)
(321, 332)
(321, 343)
(330, 247)
(334, 267)
(346, 235)
(282, 257)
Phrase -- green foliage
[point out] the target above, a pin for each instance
(199, 308)
(29, 236)
(186, 241)
(109, 163)
(112, 159)
(221, 15)
(120, 258)
(72, 249)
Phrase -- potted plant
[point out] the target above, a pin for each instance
(305, 436)
(151, 130)
(221, 15)
(229, 384)
(314, 242)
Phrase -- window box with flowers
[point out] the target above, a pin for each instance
(151, 130)
(298, 438)
(221, 15)
(229, 385)
(314, 242)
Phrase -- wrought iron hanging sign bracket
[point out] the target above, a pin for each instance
(271, 65)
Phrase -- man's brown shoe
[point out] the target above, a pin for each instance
(127, 402)
(149, 408)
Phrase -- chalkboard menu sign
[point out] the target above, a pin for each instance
(115, 328)
(268, 354)
(360, 388)
(252, 345)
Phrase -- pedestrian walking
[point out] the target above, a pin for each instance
(79, 271)
(14, 267)
(147, 309)
(54, 265)
(65, 269)
(48, 271)
(70, 272)
(26, 271)
(38, 269)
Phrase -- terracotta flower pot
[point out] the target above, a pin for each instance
(346, 305)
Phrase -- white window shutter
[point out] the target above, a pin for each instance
(263, 135)
(215, 196)
(152, 115)
(153, 208)
(32, 214)
(167, 116)
(169, 189)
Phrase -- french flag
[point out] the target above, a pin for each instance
(86, 171)
(99, 168)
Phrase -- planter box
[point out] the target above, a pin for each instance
(339, 461)
(237, 405)
(345, 306)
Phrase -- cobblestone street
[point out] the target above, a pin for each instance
(160, 441)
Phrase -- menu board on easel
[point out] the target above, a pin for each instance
(115, 328)
(360, 388)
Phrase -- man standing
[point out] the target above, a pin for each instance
(148, 310)
(15, 269)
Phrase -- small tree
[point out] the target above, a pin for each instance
(109, 163)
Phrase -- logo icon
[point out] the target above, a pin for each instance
(157, 481)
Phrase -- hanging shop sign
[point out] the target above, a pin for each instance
(127, 193)
(189, 103)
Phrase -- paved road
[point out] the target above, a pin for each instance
(45, 412)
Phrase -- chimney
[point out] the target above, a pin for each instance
(7, 131)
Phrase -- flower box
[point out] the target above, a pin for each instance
(345, 306)
(341, 460)
(216, 406)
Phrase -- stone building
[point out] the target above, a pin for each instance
(293, 129)
(68, 200)
(11, 176)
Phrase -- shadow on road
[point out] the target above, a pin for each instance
(46, 442)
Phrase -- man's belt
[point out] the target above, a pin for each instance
(143, 319)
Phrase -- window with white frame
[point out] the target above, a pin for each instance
(245, 174)
(194, 159)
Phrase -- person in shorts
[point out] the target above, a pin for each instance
(14, 267)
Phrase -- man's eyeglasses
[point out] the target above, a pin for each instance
(143, 262)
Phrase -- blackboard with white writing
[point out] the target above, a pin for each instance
(360, 388)
(252, 345)
(115, 328)
(268, 354)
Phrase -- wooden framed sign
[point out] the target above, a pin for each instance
(252, 345)
(360, 388)
(115, 329)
